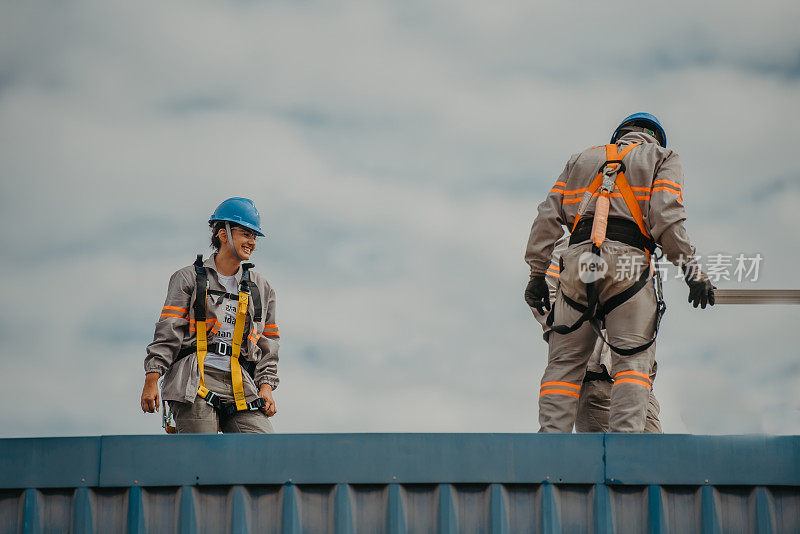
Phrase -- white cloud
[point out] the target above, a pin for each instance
(397, 153)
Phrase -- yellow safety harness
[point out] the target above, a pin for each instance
(240, 402)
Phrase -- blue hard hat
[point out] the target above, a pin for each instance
(241, 211)
(645, 120)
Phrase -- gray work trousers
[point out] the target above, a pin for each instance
(200, 418)
(629, 325)
(594, 404)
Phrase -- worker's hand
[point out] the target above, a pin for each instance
(537, 294)
(150, 399)
(265, 392)
(701, 290)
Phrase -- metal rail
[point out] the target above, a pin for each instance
(757, 296)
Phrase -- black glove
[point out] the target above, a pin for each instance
(701, 291)
(537, 294)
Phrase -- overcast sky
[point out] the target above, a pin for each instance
(397, 152)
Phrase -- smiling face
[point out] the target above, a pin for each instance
(244, 241)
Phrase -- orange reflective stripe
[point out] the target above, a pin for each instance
(563, 184)
(667, 189)
(592, 187)
(184, 310)
(559, 392)
(251, 338)
(631, 202)
(635, 373)
(554, 190)
(576, 191)
(644, 189)
(632, 381)
(271, 334)
(172, 315)
(567, 384)
(612, 195)
(668, 182)
(619, 195)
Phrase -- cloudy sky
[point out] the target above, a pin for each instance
(397, 152)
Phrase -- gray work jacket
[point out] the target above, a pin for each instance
(176, 329)
(656, 176)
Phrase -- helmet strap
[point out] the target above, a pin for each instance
(230, 240)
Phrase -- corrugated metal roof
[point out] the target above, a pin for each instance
(401, 483)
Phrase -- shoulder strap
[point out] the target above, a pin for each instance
(201, 286)
(624, 188)
(254, 291)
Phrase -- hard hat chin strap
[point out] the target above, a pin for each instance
(230, 240)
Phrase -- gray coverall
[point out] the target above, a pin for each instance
(176, 329)
(656, 176)
(595, 395)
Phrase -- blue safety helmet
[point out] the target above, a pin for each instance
(241, 211)
(645, 120)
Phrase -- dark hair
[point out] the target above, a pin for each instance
(216, 226)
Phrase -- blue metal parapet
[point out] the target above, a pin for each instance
(401, 483)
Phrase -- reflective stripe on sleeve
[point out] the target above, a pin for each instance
(176, 308)
(270, 330)
(669, 183)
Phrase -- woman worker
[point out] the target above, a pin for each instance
(216, 342)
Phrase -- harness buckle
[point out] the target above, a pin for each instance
(619, 168)
(212, 399)
(610, 174)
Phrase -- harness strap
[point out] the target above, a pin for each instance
(218, 293)
(218, 348)
(201, 285)
(254, 291)
(239, 333)
(660, 309)
(618, 229)
(256, 298)
(225, 409)
(610, 304)
(592, 376)
(238, 339)
(613, 159)
(588, 311)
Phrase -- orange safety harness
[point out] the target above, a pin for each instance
(611, 177)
